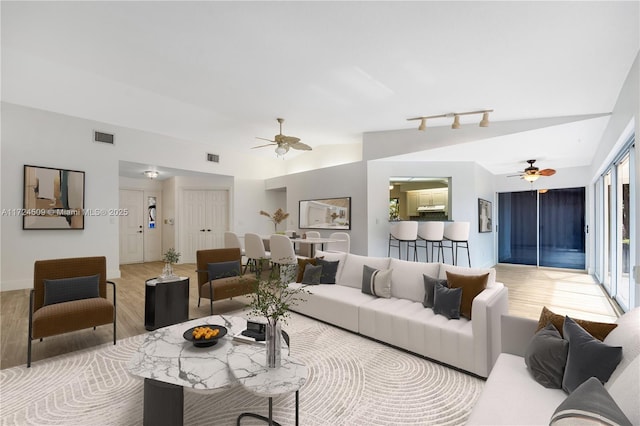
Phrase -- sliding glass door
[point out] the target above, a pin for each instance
(545, 228)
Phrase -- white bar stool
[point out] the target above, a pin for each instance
(458, 234)
(404, 232)
(432, 232)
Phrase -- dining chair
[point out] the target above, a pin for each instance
(404, 232)
(432, 232)
(254, 250)
(457, 234)
(343, 245)
(313, 234)
(231, 240)
(282, 251)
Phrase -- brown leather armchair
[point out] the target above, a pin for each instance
(64, 315)
(221, 288)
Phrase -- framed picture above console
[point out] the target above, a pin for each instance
(53, 198)
(325, 213)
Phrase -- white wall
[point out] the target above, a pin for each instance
(42, 138)
(348, 180)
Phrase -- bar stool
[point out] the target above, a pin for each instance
(404, 232)
(458, 234)
(432, 232)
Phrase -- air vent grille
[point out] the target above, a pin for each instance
(214, 158)
(103, 137)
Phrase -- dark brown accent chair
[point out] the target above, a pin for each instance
(221, 288)
(66, 316)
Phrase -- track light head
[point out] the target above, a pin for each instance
(485, 119)
(456, 122)
(423, 124)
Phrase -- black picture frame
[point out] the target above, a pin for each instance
(325, 213)
(53, 198)
(485, 216)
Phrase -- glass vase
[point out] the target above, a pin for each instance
(167, 272)
(273, 343)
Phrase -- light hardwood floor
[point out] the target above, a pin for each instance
(530, 288)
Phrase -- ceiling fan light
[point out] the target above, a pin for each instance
(151, 174)
(423, 124)
(281, 150)
(485, 120)
(531, 178)
(456, 122)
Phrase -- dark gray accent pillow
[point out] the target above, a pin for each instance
(329, 270)
(223, 269)
(587, 357)
(312, 274)
(546, 356)
(589, 401)
(446, 301)
(429, 288)
(68, 289)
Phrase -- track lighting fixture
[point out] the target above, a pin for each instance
(456, 118)
(456, 122)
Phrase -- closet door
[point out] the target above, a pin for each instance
(205, 218)
(132, 226)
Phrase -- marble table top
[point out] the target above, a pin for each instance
(248, 364)
(167, 357)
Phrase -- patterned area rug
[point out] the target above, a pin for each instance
(352, 381)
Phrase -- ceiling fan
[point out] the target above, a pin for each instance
(283, 142)
(532, 173)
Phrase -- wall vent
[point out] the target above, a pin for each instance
(214, 158)
(103, 137)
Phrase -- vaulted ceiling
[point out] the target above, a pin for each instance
(221, 72)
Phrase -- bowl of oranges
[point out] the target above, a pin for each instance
(205, 335)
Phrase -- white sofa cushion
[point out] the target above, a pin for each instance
(462, 270)
(623, 385)
(511, 396)
(351, 274)
(407, 281)
(332, 303)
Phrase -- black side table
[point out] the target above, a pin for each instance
(166, 302)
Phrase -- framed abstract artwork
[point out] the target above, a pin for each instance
(53, 198)
(484, 215)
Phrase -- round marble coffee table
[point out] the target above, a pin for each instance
(247, 364)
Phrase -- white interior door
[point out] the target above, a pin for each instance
(205, 218)
(132, 226)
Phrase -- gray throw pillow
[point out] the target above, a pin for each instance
(587, 357)
(429, 288)
(219, 270)
(546, 356)
(68, 289)
(312, 274)
(376, 282)
(446, 301)
(589, 401)
(329, 270)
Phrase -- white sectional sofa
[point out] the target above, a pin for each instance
(512, 397)
(402, 320)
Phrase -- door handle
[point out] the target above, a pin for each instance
(208, 230)
(202, 230)
(139, 232)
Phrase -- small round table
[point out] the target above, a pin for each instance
(247, 364)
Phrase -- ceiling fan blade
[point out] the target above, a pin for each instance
(301, 146)
(262, 146)
(265, 139)
(289, 139)
(547, 172)
(518, 175)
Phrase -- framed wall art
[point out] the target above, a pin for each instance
(53, 198)
(484, 215)
(325, 213)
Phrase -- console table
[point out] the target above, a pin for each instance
(166, 302)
